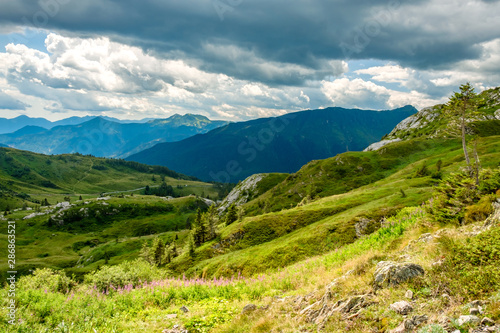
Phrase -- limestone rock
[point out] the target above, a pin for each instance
(380, 144)
(463, 320)
(402, 307)
(184, 309)
(474, 311)
(487, 322)
(409, 325)
(249, 308)
(392, 273)
(409, 294)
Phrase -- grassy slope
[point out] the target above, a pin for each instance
(54, 177)
(281, 238)
(80, 246)
(215, 306)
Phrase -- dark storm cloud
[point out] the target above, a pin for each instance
(276, 42)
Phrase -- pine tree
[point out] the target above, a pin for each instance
(158, 251)
(464, 103)
(231, 215)
(191, 246)
(200, 229)
(212, 219)
(146, 253)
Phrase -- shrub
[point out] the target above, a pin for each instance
(472, 267)
(47, 279)
(458, 191)
(479, 211)
(127, 273)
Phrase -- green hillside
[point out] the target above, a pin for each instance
(31, 178)
(300, 253)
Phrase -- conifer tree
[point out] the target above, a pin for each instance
(464, 103)
(232, 214)
(212, 221)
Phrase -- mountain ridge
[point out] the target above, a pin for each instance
(278, 144)
(104, 138)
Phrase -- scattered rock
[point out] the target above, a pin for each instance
(392, 273)
(175, 329)
(409, 325)
(171, 316)
(363, 226)
(184, 309)
(249, 308)
(463, 320)
(402, 307)
(425, 238)
(320, 311)
(475, 304)
(474, 311)
(487, 322)
(409, 294)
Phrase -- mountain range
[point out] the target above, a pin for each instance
(13, 124)
(102, 137)
(282, 144)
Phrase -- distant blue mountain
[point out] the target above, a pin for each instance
(104, 138)
(15, 124)
(282, 144)
(27, 130)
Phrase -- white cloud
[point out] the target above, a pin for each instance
(97, 75)
(358, 93)
(387, 73)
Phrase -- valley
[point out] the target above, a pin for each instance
(124, 246)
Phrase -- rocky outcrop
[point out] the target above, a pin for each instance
(380, 144)
(242, 192)
(390, 273)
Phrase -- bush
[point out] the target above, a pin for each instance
(472, 267)
(480, 211)
(47, 279)
(127, 273)
(458, 191)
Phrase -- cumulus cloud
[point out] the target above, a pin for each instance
(98, 75)
(358, 93)
(387, 73)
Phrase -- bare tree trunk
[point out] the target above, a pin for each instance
(464, 143)
(477, 165)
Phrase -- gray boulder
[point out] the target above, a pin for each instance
(402, 307)
(249, 308)
(464, 320)
(389, 273)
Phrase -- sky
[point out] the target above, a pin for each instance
(240, 59)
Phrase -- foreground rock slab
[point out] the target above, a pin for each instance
(389, 273)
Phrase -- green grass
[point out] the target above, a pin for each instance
(30, 178)
(87, 233)
(277, 239)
